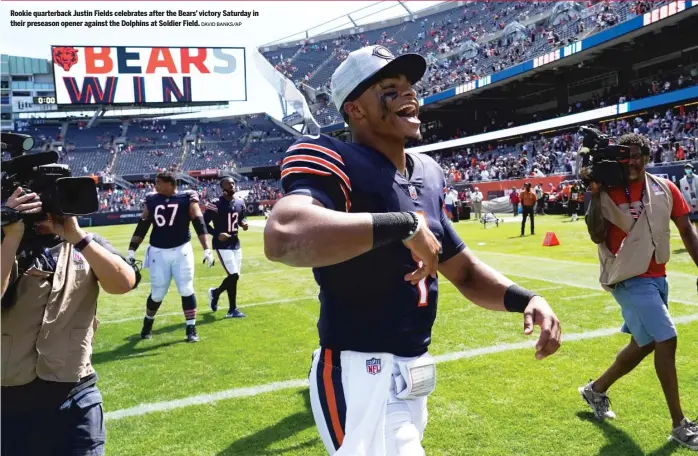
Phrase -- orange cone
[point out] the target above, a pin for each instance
(550, 240)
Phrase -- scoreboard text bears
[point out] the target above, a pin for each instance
(138, 75)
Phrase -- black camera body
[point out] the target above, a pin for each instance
(59, 192)
(602, 162)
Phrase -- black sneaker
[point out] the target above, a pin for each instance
(191, 334)
(147, 328)
(213, 299)
(235, 314)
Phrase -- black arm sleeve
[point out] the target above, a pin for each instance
(142, 228)
(210, 224)
(199, 225)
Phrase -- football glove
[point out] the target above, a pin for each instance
(208, 258)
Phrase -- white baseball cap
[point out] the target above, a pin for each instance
(362, 66)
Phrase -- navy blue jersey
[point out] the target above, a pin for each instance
(365, 303)
(226, 217)
(170, 218)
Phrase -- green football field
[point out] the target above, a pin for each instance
(243, 389)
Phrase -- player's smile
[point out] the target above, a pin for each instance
(406, 117)
(405, 109)
(408, 113)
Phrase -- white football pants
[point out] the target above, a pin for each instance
(352, 395)
(166, 264)
(231, 260)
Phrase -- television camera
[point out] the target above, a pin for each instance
(59, 192)
(601, 161)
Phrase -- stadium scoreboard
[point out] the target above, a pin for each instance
(85, 75)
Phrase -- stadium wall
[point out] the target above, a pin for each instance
(491, 189)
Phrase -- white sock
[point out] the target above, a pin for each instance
(191, 322)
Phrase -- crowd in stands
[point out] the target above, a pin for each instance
(131, 199)
(461, 44)
(139, 146)
(495, 120)
(673, 136)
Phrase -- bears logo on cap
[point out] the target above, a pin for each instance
(383, 53)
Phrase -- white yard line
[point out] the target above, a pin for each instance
(242, 306)
(583, 296)
(548, 288)
(682, 287)
(144, 409)
(201, 399)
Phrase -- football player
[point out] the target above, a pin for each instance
(170, 254)
(369, 219)
(227, 214)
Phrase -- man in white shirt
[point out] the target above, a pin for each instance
(476, 198)
(450, 198)
(540, 209)
(689, 189)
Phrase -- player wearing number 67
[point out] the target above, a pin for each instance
(369, 219)
(227, 214)
(170, 254)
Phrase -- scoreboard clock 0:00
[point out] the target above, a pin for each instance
(44, 100)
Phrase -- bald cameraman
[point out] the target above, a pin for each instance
(51, 273)
(630, 225)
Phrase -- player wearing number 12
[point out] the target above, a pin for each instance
(369, 219)
(170, 254)
(227, 214)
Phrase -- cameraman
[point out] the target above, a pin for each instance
(50, 275)
(630, 226)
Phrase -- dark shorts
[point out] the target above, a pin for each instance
(49, 424)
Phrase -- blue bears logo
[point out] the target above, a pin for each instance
(373, 366)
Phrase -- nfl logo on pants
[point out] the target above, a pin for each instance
(373, 366)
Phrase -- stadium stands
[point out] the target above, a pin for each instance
(541, 156)
(147, 159)
(652, 85)
(117, 200)
(535, 156)
(460, 44)
(133, 146)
